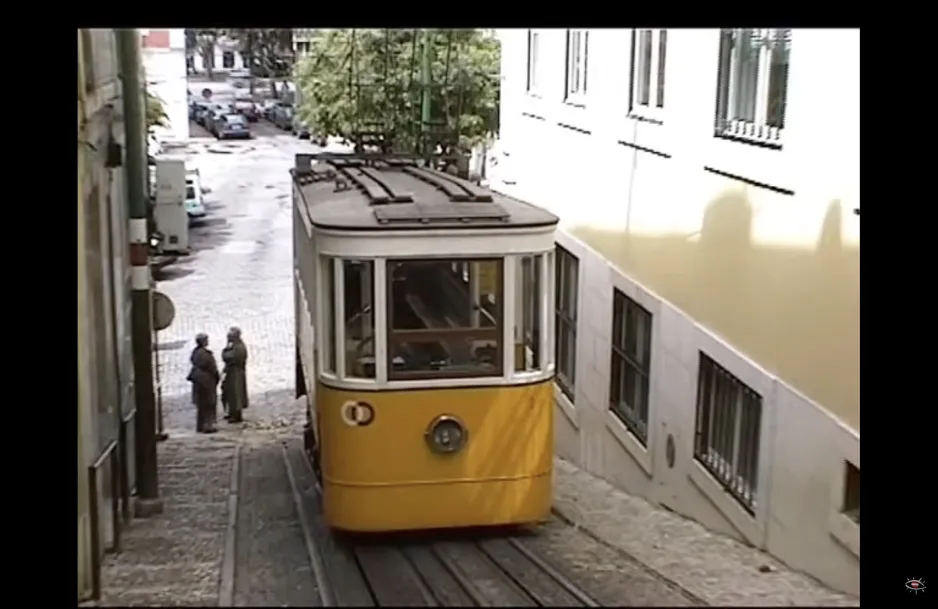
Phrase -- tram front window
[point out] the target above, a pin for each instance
(358, 277)
(444, 318)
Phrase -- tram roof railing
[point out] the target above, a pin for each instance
(378, 190)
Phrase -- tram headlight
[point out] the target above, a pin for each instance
(446, 435)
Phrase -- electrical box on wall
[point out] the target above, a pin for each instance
(169, 208)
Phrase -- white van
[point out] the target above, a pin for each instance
(195, 204)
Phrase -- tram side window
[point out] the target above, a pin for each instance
(444, 318)
(328, 314)
(359, 318)
(566, 269)
(528, 315)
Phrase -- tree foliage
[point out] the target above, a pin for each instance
(267, 49)
(371, 80)
(205, 40)
(155, 111)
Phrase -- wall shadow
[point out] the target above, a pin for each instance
(796, 312)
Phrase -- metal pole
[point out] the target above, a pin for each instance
(161, 435)
(425, 91)
(128, 49)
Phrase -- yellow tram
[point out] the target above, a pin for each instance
(424, 341)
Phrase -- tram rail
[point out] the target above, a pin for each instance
(425, 570)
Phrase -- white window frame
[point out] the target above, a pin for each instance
(649, 111)
(728, 89)
(532, 85)
(575, 74)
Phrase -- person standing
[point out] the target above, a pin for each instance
(204, 377)
(234, 387)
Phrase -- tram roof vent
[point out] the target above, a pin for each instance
(370, 181)
(303, 163)
(442, 214)
(458, 191)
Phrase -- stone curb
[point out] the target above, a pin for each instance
(227, 580)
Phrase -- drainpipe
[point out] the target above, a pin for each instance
(128, 51)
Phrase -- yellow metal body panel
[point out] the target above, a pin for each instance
(384, 476)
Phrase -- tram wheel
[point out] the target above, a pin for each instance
(311, 447)
(300, 377)
(317, 466)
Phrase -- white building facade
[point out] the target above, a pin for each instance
(226, 57)
(302, 41)
(164, 63)
(708, 278)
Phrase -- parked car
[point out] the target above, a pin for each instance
(283, 117)
(197, 108)
(267, 108)
(202, 112)
(231, 126)
(216, 111)
(300, 129)
(247, 108)
(195, 204)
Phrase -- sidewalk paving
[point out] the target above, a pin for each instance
(712, 567)
(175, 559)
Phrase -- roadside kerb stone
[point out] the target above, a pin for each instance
(710, 566)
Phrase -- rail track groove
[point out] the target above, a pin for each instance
(445, 570)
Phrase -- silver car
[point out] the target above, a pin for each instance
(283, 117)
(232, 126)
(215, 112)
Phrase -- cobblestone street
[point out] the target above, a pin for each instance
(240, 523)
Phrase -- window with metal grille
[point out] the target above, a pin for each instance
(649, 49)
(752, 85)
(729, 416)
(567, 271)
(631, 364)
(851, 506)
(533, 44)
(577, 47)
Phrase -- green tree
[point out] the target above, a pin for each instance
(269, 51)
(205, 41)
(155, 111)
(371, 81)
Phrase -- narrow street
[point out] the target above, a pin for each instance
(241, 526)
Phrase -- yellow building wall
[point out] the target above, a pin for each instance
(748, 254)
(792, 307)
(775, 275)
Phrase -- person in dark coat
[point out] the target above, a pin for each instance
(234, 387)
(204, 377)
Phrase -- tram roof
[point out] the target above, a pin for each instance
(382, 192)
